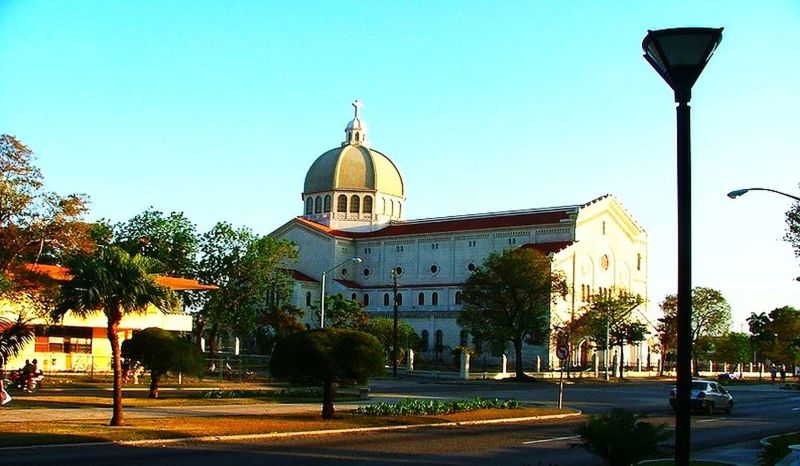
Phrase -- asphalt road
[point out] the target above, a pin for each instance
(760, 411)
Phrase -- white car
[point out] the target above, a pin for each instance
(707, 396)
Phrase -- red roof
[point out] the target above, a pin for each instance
(62, 274)
(301, 276)
(547, 248)
(453, 224)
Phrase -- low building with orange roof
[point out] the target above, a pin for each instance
(80, 343)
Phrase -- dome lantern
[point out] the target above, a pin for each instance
(356, 130)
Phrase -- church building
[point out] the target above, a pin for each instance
(352, 232)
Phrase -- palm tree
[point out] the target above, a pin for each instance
(111, 281)
(14, 335)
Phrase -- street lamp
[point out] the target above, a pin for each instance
(355, 260)
(739, 192)
(395, 273)
(679, 56)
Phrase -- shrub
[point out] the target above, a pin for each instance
(777, 448)
(409, 407)
(621, 438)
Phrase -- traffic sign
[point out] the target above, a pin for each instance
(562, 352)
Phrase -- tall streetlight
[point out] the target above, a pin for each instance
(394, 322)
(355, 260)
(736, 193)
(679, 56)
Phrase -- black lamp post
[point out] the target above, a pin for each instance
(679, 56)
(738, 192)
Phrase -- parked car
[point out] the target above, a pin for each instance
(707, 396)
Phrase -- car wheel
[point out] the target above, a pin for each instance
(729, 409)
(710, 409)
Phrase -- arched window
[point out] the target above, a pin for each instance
(353, 297)
(355, 204)
(439, 341)
(424, 344)
(341, 204)
(367, 204)
(398, 298)
(399, 209)
(384, 206)
(309, 206)
(326, 203)
(318, 205)
(386, 299)
(391, 208)
(435, 298)
(459, 297)
(366, 299)
(308, 298)
(464, 338)
(421, 299)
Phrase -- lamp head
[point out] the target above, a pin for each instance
(736, 193)
(680, 54)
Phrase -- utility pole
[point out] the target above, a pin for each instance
(394, 324)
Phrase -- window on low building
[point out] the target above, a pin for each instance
(355, 204)
(309, 206)
(386, 299)
(366, 299)
(435, 298)
(326, 203)
(308, 298)
(367, 204)
(424, 342)
(318, 205)
(459, 297)
(341, 203)
(421, 299)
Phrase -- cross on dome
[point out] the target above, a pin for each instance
(357, 106)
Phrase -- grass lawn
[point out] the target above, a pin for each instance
(78, 431)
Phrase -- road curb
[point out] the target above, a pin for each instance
(275, 435)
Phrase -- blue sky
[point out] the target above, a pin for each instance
(217, 109)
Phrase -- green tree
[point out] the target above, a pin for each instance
(277, 320)
(341, 312)
(732, 347)
(508, 299)
(793, 228)
(160, 352)
(383, 328)
(711, 317)
(170, 239)
(667, 328)
(36, 226)
(251, 274)
(760, 335)
(784, 326)
(608, 320)
(328, 356)
(111, 281)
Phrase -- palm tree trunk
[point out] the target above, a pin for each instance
(113, 338)
(328, 394)
(155, 377)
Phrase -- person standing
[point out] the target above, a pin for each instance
(772, 372)
(783, 373)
